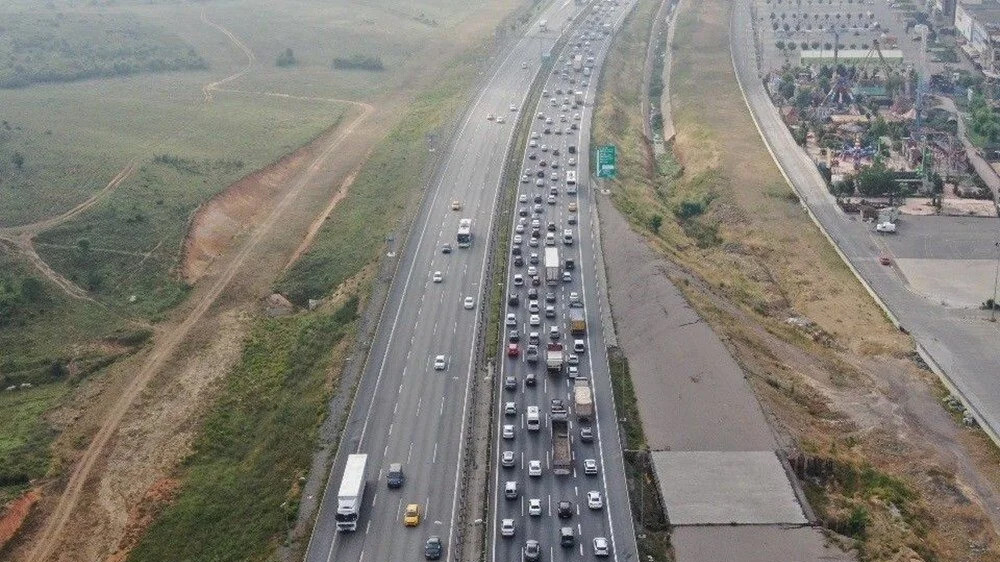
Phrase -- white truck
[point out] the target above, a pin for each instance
(583, 400)
(552, 274)
(578, 63)
(554, 358)
(352, 493)
(464, 236)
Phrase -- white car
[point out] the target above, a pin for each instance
(579, 346)
(440, 363)
(499, 118)
(513, 107)
(567, 277)
(532, 143)
(571, 162)
(572, 372)
(438, 277)
(518, 240)
(573, 359)
(508, 431)
(469, 303)
(511, 319)
(590, 467)
(594, 500)
(601, 546)
(533, 307)
(576, 116)
(525, 179)
(574, 296)
(507, 528)
(534, 507)
(519, 229)
(534, 134)
(507, 459)
(534, 468)
(523, 198)
(510, 409)
(518, 280)
(532, 270)
(534, 320)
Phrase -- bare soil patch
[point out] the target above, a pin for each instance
(15, 514)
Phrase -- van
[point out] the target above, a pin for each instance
(510, 490)
(534, 422)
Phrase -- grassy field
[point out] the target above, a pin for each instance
(719, 208)
(240, 486)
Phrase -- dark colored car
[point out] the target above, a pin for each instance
(514, 337)
(532, 551)
(530, 379)
(565, 509)
(518, 261)
(394, 477)
(510, 383)
(586, 434)
(513, 299)
(446, 248)
(433, 548)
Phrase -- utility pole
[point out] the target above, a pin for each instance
(996, 277)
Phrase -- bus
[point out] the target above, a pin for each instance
(464, 233)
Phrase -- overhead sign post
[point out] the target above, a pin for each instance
(607, 161)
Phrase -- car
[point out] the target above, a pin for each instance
(564, 509)
(531, 354)
(571, 149)
(533, 338)
(438, 277)
(533, 307)
(532, 270)
(511, 319)
(499, 118)
(518, 261)
(601, 546)
(489, 117)
(594, 500)
(518, 239)
(513, 299)
(586, 434)
(519, 229)
(394, 477)
(525, 178)
(513, 107)
(513, 350)
(532, 156)
(551, 200)
(533, 241)
(433, 548)
(548, 120)
(532, 143)
(572, 359)
(550, 311)
(514, 336)
(534, 507)
(534, 320)
(547, 131)
(537, 209)
(440, 363)
(567, 276)
(508, 431)
(566, 537)
(533, 292)
(572, 206)
(507, 459)
(523, 198)
(411, 517)
(507, 528)
(554, 164)
(510, 383)
(541, 115)
(542, 163)
(529, 379)
(532, 551)
(510, 409)
(571, 162)
(534, 134)
(579, 346)
(573, 372)
(590, 467)
(533, 258)
(554, 333)
(469, 303)
(518, 280)
(446, 248)
(456, 205)
(534, 468)
(885, 260)
(558, 131)
(522, 212)
(573, 297)
(555, 152)
(576, 116)
(510, 490)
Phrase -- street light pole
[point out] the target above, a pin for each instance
(996, 277)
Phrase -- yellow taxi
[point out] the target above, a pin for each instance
(411, 517)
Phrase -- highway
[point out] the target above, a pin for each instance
(405, 411)
(961, 342)
(613, 521)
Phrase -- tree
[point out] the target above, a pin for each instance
(655, 222)
(803, 99)
(780, 45)
(286, 58)
(32, 289)
(18, 160)
(877, 181)
(786, 87)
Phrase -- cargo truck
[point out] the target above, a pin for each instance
(562, 455)
(352, 493)
(552, 274)
(554, 358)
(578, 97)
(577, 321)
(583, 400)
(578, 63)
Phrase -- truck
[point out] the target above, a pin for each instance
(578, 97)
(554, 358)
(578, 63)
(351, 493)
(552, 273)
(464, 233)
(583, 400)
(577, 321)
(562, 455)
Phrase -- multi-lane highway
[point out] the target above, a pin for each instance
(559, 142)
(406, 411)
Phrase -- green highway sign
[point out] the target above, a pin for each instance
(607, 161)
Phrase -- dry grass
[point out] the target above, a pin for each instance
(839, 384)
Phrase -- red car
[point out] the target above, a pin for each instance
(884, 260)
(513, 350)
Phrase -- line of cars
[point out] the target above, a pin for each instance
(549, 176)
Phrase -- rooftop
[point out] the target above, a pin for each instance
(986, 11)
(891, 55)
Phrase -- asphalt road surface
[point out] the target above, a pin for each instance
(405, 410)
(962, 342)
(613, 520)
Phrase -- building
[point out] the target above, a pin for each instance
(860, 57)
(978, 23)
(945, 9)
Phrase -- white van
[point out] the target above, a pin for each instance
(533, 420)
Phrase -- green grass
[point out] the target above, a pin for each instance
(25, 436)
(240, 489)
(38, 47)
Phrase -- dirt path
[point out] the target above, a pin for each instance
(251, 58)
